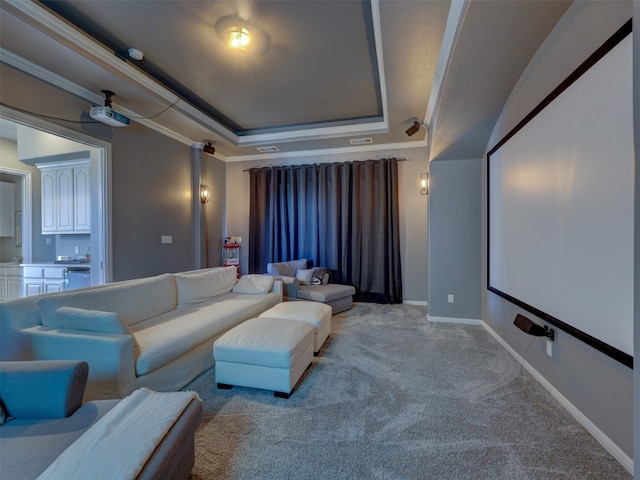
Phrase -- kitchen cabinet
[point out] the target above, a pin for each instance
(66, 199)
(10, 282)
(39, 279)
(7, 225)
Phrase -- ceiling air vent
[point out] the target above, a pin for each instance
(360, 141)
(268, 149)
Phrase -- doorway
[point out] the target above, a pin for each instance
(99, 153)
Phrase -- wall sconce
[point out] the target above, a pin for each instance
(424, 184)
(205, 194)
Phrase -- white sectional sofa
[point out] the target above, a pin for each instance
(155, 332)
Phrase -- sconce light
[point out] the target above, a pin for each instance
(424, 184)
(205, 195)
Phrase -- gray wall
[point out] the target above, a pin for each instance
(455, 194)
(413, 210)
(601, 388)
(213, 213)
(151, 183)
(636, 296)
(151, 196)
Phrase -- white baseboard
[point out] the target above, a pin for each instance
(464, 321)
(598, 434)
(415, 302)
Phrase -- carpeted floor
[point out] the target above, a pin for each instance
(392, 396)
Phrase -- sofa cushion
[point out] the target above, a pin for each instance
(28, 447)
(166, 337)
(325, 293)
(91, 320)
(254, 284)
(204, 285)
(134, 300)
(95, 321)
(288, 269)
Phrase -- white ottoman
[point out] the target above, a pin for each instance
(266, 353)
(315, 314)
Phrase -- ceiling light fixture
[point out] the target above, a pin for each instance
(238, 38)
(240, 35)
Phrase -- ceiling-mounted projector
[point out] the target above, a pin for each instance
(107, 114)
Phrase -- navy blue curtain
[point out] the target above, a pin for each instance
(341, 216)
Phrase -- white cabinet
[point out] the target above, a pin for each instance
(39, 280)
(10, 282)
(7, 225)
(66, 198)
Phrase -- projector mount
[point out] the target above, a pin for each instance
(108, 94)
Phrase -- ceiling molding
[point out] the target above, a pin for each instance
(63, 32)
(328, 151)
(47, 76)
(455, 18)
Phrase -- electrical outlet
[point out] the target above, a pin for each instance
(166, 239)
(549, 347)
(450, 298)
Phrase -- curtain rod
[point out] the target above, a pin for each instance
(400, 159)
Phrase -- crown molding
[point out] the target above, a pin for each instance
(328, 151)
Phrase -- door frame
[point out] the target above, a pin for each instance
(102, 247)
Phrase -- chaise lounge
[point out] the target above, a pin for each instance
(302, 282)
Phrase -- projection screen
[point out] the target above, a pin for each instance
(560, 205)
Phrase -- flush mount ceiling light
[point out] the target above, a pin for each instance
(238, 38)
(239, 34)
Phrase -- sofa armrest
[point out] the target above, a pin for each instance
(110, 356)
(42, 389)
(291, 285)
(278, 288)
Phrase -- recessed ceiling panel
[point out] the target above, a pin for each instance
(315, 66)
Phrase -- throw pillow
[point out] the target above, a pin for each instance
(254, 284)
(199, 287)
(95, 321)
(91, 320)
(305, 276)
(323, 275)
(287, 269)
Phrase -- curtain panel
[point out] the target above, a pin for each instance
(341, 216)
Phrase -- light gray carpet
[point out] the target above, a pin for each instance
(392, 396)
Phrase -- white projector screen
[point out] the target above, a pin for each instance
(560, 206)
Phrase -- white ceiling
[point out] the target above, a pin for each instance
(330, 70)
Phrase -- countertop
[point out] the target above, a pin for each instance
(56, 264)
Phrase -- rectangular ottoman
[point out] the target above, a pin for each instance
(318, 315)
(265, 353)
